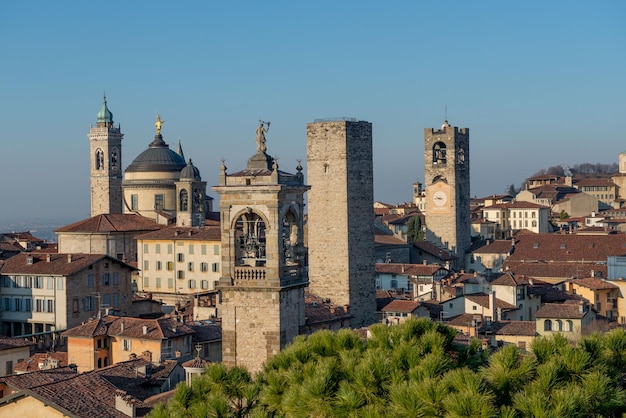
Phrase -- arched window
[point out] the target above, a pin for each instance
(183, 199)
(99, 159)
(290, 238)
(569, 325)
(250, 240)
(439, 153)
(114, 159)
(547, 325)
(559, 325)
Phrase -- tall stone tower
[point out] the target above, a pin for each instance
(105, 141)
(447, 180)
(263, 259)
(341, 215)
(190, 190)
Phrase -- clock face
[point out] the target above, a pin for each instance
(440, 198)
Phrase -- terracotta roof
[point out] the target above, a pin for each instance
(483, 299)
(594, 283)
(383, 298)
(58, 265)
(112, 222)
(560, 311)
(206, 331)
(31, 364)
(318, 310)
(408, 269)
(499, 246)
(594, 182)
(7, 343)
(205, 233)
(20, 236)
(568, 247)
(93, 393)
(196, 363)
(384, 239)
(407, 306)
(559, 270)
(464, 319)
(43, 377)
(155, 329)
(509, 279)
(435, 251)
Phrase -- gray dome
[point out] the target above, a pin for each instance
(190, 172)
(158, 157)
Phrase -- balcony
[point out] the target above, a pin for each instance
(246, 273)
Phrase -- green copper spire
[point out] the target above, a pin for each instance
(105, 115)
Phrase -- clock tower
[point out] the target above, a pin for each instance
(105, 141)
(447, 180)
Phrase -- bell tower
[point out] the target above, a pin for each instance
(105, 141)
(190, 195)
(447, 181)
(263, 259)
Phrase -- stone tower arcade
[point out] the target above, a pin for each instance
(263, 259)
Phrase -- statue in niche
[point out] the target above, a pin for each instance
(260, 136)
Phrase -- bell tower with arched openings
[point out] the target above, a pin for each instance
(447, 182)
(263, 259)
(105, 170)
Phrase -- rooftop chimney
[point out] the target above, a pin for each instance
(48, 258)
(145, 330)
(69, 258)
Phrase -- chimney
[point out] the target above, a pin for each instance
(145, 330)
(69, 258)
(122, 326)
(402, 268)
(492, 306)
(190, 233)
(48, 256)
(125, 403)
(424, 262)
(147, 356)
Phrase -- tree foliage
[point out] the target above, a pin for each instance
(415, 231)
(416, 369)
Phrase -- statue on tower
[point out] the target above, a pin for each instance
(158, 124)
(260, 136)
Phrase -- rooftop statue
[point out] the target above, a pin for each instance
(158, 123)
(260, 136)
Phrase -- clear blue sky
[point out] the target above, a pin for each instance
(538, 83)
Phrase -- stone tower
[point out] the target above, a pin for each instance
(105, 141)
(190, 191)
(263, 259)
(341, 215)
(447, 181)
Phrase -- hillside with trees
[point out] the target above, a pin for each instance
(416, 369)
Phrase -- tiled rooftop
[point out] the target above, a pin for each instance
(59, 264)
(408, 269)
(150, 329)
(406, 306)
(113, 222)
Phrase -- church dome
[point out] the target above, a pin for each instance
(190, 172)
(105, 115)
(157, 158)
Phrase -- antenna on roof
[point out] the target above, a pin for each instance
(446, 112)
